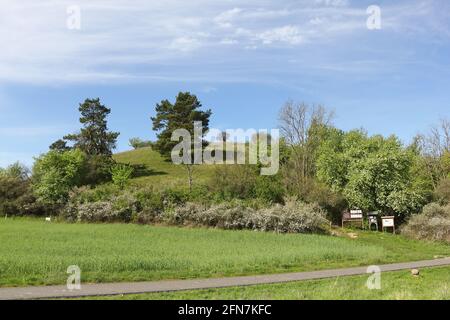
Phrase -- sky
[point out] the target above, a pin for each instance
(243, 59)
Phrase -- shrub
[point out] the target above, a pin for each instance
(269, 188)
(16, 198)
(118, 209)
(432, 224)
(293, 217)
(97, 170)
(121, 174)
(234, 182)
(442, 192)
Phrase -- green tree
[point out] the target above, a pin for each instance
(373, 173)
(180, 115)
(56, 173)
(59, 145)
(94, 138)
(138, 143)
(15, 171)
(121, 174)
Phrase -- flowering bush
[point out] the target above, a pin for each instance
(432, 224)
(293, 217)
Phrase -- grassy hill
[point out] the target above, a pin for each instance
(152, 169)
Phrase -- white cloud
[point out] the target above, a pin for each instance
(118, 37)
(226, 18)
(287, 34)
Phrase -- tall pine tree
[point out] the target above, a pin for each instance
(180, 115)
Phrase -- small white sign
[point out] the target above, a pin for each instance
(388, 222)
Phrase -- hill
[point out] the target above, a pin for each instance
(152, 169)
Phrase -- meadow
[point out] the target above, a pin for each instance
(154, 170)
(35, 252)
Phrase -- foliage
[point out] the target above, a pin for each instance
(15, 171)
(56, 173)
(442, 191)
(373, 173)
(97, 169)
(303, 128)
(121, 174)
(138, 143)
(234, 181)
(94, 138)
(16, 198)
(180, 115)
(59, 145)
(432, 224)
(293, 217)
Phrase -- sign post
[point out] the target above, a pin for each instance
(353, 216)
(388, 222)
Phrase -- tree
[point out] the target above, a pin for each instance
(435, 150)
(138, 143)
(59, 145)
(15, 171)
(56, 173)
(16, 197)
(373, 173)
(94, 138)
(302, 128)
(180, 115)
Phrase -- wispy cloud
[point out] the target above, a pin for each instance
(142, 40)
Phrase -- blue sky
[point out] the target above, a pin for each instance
(243, 59)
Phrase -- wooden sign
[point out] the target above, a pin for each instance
(356, 214)
(353, 216)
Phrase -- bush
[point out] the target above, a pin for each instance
(432, 224)
(97, 170)
(442, 192)
(121, 174)
(16, 198)
(234, 182)
(118, 209)
(293, 217)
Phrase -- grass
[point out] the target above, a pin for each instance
(156, 171)
(432, 284)
(33, 252)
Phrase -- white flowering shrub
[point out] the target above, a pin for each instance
(432, 224)
(293, 217)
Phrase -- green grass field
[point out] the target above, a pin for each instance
(158, 172)
(34, 252)
(432, 284)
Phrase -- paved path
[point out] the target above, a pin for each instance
(177, 285)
